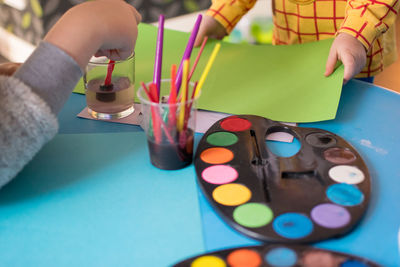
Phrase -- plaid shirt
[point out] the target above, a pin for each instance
(300, 21)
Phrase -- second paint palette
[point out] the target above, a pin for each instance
(319, 193)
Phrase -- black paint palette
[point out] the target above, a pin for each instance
(319, 193)
(276, 256)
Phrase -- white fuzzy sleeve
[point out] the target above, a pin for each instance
(26, 124)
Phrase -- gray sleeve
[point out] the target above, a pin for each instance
(26, 124)
(51, 73)
(29, 101)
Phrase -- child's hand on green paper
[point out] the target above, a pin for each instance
(350, 52)
(211, 28)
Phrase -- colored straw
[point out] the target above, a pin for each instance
(172, 99)
(207, 68)
(155, 118)
(156, 114)
(154, 92)
(184, 134)
(110, 68)
(188, 51)
(198, 57)
(154, 111)
(193, 93)
(172, 93)
(184, 95)
(147, 92)
(159, 53)
(189, 107)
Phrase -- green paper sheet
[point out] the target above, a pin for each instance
(283, 83)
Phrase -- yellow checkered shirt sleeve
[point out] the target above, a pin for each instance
(300, 21)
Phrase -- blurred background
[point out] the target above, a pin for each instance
(23, 23)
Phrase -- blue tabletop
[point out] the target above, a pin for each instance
(368, 118)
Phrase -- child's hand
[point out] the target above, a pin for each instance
(101, 27)
(9, 68)
(351, 52)
(211, 28)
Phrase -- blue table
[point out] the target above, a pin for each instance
(368, 118)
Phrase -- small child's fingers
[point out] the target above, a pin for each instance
(137, 15)
(331, 62)
(112, 54)
(120, 54)
(202, 32)
(198, 41)
(200, 36)
(211, 28)
(349, 66)
(103, 53)
(9, 68)
(100, 53)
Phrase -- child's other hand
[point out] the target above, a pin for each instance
(9, 68)
(211, 28)
(350, 52)
(101, 27)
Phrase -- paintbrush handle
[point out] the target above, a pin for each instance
(159, 53)
(188, 51)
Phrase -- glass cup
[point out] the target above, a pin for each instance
(169, 128)
(110, 90)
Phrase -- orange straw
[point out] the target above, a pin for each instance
(198, 57)
(172, 98)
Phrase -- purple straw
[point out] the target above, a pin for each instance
(159, 50)
(188, 51)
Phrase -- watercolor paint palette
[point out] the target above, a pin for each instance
(276, 256)
(320, 192)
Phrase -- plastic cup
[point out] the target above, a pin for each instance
(113, 99)
(170, 134)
